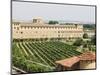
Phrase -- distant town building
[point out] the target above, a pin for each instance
(39, 29)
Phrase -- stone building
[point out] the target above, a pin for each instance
(39, 29)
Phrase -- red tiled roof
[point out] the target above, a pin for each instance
(68, 62)
(72, 60)
(87, 56)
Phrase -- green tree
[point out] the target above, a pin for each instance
(45, 39)
(53, 22)
(85, 35)
(85, 44)
(78, 42)
(93, 40)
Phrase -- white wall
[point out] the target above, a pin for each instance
(87, 65)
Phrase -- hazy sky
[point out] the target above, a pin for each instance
(28, 11)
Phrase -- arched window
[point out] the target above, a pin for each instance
(21, 32)
(17, 28)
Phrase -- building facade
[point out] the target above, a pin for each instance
(39, 29)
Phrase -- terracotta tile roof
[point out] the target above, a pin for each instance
(87, 56)
(72, 60)
(68, 62)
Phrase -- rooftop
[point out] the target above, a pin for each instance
(87, 56)
(69, 62)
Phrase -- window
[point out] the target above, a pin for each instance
(58, 31)
(40, 27)
(21, 27)
(28, 27)
(37, 27)
(55, 27)
(24, 27)
(58, 35)
(31, 27)
(17, 28)
(21, 32)
(47, 27)
(44, 27)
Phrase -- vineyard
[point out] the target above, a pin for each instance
(40, 56)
